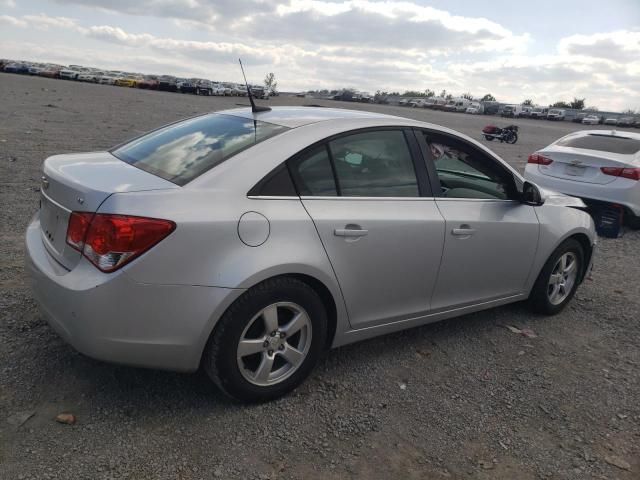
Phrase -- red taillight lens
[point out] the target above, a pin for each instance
(111, 241)
(539, 159)
(77, 229)
(630, 173)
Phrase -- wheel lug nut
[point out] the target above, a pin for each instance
(282, 335)
(273, 334)
(270, 352)
(265, 344)
(281, 347)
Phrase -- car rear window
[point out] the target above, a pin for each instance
(185, 150)
(604, 143)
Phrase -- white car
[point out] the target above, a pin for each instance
(601, 165)
(591, 120)
(67, 74)
(611, 121)
(556, 114)
(108, 80)
(86, 77)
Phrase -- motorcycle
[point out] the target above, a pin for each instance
(507, 134)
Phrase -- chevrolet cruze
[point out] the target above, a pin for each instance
(248, 242)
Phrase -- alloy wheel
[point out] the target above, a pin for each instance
(563, 278)
(274, 344)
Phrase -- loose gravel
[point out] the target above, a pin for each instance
(466, 398)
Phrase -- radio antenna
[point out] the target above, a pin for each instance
(254, 108)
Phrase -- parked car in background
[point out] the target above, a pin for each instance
(50, 72)
(417, 103)
(108, 80)
(435, 103)
(128, 81)
(204, 87)
(556, 114)
(67, 74)
(511, 110)
(259, 91)
(625, 122)
(491, 107)
(360, 243)
(592, 120)
(611, 121)
(167, 84)
(22, 68)
(404, 102)
(86, 77)
(35, 69)
(525, 112)
(539, 112)
(149, 82)
(579, 117)
(475, 108)
(601, 165)
(186, 86)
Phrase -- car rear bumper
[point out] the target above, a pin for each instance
(621, 191)
(112, 318)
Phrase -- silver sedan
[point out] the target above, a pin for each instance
(247, 243)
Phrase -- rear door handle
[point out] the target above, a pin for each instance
(350, 232)
(463, 231)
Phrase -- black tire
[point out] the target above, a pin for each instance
(220, 355)
(488, 137)
(539, 298)
(513, 138)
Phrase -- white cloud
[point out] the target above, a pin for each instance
(391, 45)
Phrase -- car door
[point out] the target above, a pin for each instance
(367, 193)
(490, 236)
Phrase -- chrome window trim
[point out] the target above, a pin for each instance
(402, 199)
(453, 199)
(272, 197)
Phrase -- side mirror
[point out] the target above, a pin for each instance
(531, 195)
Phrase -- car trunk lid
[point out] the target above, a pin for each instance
(81, 182)
(582, 165)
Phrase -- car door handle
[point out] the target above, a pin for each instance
(463, 231)
(350, 232)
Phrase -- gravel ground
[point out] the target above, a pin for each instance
(465, 398)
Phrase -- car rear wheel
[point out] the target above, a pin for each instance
(559, 279)
(268, 341)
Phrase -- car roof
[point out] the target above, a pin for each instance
(293, 117)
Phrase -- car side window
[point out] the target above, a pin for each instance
(465, 172)
(312, 173)
(374, 164)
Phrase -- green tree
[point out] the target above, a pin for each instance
(578, 103)
(488, 98)
(467, 95)
(429, 93)
(561, 104)
(443, 94)
(270, 83)
(528, 103)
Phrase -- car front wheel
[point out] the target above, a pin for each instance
(559, 279)
(268, 341)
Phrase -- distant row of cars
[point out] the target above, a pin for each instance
(168, 83)
(475, 107)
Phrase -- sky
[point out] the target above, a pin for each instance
(547, 50)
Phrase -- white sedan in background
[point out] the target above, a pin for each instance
(591, 120)
(600, 165)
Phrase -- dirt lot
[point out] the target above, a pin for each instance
(466, 398)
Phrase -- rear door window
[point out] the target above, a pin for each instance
(602, 142)
(185, 150)
(374, 164)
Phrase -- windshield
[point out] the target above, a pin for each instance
(185, 150)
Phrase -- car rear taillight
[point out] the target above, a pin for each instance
(111, 241)
(630, 173)
(539, 159)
